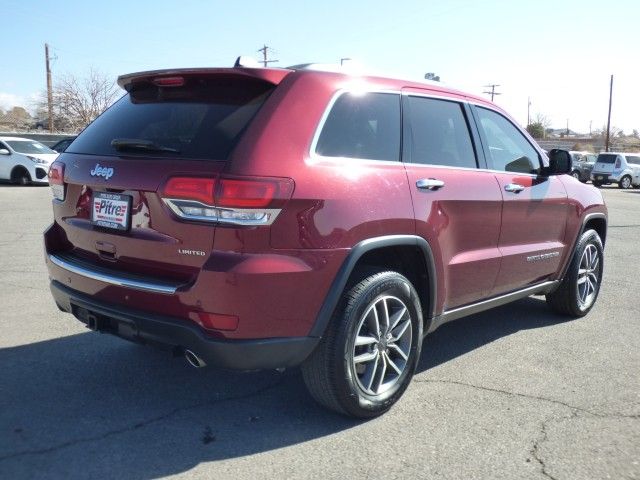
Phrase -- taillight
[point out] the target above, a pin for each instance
(618, 163)
(56, 180)
(191, 188)
(227, 200)
(245, 193)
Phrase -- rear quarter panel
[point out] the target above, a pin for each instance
(337, 202)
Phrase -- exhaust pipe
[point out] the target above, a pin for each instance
(194, 360)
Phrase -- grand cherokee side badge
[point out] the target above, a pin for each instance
(543, 256)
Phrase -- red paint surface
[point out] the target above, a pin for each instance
(274, 279)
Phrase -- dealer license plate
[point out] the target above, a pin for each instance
(111, 210)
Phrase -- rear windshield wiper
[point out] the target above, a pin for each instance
(140, 144)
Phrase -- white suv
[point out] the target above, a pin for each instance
(620, 168)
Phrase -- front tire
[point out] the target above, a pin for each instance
(579, 289)
(21, 177)
(369, 353)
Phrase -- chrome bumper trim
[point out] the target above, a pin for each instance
(103, 275)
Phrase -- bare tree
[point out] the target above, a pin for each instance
(77, 101)
(80, 101)
(538, 127)
(602, 132)
(543, 120)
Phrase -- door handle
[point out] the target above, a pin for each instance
(429, 184)
(513, 188)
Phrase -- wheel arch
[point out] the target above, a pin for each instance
(596, 221)
(410, 255)
(19, 169)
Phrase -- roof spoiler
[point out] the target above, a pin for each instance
(269, 75)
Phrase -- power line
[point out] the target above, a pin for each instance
(265, 52)
(493, 90)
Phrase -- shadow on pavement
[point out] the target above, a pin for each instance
(461, 336)
(94, 406)
(8, 184)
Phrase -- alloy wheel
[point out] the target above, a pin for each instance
(588, 276)
(382, 345)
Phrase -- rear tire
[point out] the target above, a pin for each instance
(625, 182)
(597, 184)
(575, 175)
(579, 289)
(370, 350)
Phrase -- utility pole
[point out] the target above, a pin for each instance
(265, 51)
(606, 145)
(493, 90)
(529, 111)
(49, 91)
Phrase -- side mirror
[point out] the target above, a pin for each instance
(4, 151)
(559, 162)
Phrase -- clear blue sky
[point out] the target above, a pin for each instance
(559, 53)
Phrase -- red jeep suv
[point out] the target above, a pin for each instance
(255, 218)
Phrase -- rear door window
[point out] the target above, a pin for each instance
(365, 126)
(438, 133)
(203, 119)
(633, 159)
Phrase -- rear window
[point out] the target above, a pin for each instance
(204, 119)
(362, 126)
(607, 158)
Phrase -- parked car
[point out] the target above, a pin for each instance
(256, 218)
(62, 145)
(620, 168)
(24, 161)
(59, 124)
(582, 164)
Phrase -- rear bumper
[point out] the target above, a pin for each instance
(606, 177)
(177, 334)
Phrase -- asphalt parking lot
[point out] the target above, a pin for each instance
(515, 392)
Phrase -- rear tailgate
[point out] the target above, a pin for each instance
(156, 243)
(169, 124)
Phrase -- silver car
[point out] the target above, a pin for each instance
(620, 168)
(25, 161)
(581, 165)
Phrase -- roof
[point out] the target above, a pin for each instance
(276, 75)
